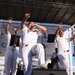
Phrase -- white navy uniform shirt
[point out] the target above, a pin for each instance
(30, 37)
(62, 43)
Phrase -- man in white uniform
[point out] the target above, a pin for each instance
(10, 56)
(63, 47)
(30, 47)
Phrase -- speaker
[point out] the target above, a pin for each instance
(48, 72)
(20, 72)
(51, 38)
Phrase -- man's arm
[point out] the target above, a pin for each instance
(20, 42)
(72, 38)
(8, 25)
(24, 20)
(42, 28)
(59, 27)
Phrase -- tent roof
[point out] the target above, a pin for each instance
(45, 11)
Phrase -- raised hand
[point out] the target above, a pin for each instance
(8, 25)
(60, 26)
(27, 15)
(10, 20)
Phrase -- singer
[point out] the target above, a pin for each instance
(30, 47)
(11, 49)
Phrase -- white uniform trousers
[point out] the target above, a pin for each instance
(11, 63)
(28, 52)
(64, 60)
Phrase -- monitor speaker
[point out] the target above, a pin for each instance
(48, 72)
(51, 38)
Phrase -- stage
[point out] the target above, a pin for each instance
(44, 72)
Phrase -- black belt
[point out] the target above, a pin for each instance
(26, 45)
(66, 50)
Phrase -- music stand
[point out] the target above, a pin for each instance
(14, 42)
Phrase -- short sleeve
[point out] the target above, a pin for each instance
(20, 40)
(39, 32)
(8, 35)
(8, 38)
(55, 42)
(24, 29)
